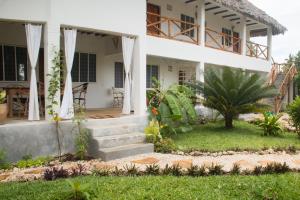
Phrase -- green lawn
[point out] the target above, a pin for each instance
(214, 137)
(285, 186)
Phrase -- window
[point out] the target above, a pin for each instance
(119, 75)
(185, 75)
(187, 23)
(226, 38)
(152, 72)
(84, 67)
(13, 64)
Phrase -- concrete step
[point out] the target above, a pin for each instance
(118, 140)
(124, 151)
(101, 131)
(141, 120)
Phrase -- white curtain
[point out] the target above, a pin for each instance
(33, 36)
(127, 45)
(67, 109)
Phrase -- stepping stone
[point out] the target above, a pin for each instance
(3, 177)
(101, 166)
(297, 162)
(146, 161)
(245, 164)
(183, 163)
(264, 163)
(35, 171)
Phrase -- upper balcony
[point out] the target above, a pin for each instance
(217, 28)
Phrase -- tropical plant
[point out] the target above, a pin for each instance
(294, 112)
(153, 132)
(2, 97)
(82, 137)
(79, 191)
(30, 162)
(234, 92)
(172, 107)
(53, 89)
(3, 163)
(270, 124)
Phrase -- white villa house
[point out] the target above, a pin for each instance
(115, 47)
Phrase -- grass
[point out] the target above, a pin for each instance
(285, 186)
(214, 137)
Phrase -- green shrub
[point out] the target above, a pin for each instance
(294, 112)
(79, 191)
(166, 145)
(271, 125)
(28, 162)
(153, 132)
(3, 163)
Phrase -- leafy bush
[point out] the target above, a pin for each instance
(166, 145)
(215, 169)
(236, 169)
(29, 162)
(271, 125)
(3, 163)
(79, 191)
(53, 173)
(131, 170)
(195, 171)
(152, 170)
(172, 108)
(234, 92)
(294, 112)
(153, 132)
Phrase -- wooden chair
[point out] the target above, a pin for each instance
(118, 97)
(21, 102)
(79, 95)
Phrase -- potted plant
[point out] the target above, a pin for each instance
(3, 107)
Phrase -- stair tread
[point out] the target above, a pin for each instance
(108, 137)
(111, 126)
(125, 147)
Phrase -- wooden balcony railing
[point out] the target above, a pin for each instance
(171, 28)
(222, 41)
(257, 50)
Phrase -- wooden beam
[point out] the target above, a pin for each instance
(252, 24)
(220, 12)
(212, 8)
(235, 19)
(231, 15)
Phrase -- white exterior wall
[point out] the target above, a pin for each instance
(119, 18)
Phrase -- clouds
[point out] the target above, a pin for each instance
(288, 14)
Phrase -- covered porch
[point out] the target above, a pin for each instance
(98, 73)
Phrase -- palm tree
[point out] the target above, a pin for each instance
(234, 92)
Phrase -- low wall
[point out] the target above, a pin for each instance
(36, 139)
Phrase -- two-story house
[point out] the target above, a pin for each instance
(172, 40)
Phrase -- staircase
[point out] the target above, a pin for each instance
(118, 138)
(281, 76)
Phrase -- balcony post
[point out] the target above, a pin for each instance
(244, 36)
(201, 21)
(51, 44)
(200, 71)
(270, 35)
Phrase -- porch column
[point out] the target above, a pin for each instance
(139, 76)
(244, 36)
(270, 35)
(200, 71)
(201, 21)
(51, 44)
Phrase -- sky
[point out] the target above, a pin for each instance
(287, 13)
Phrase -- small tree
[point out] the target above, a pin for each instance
(294, 112)
(234, 92)
(53, 88)
(82, 137)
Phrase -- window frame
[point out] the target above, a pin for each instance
(123, 75)
(158, 75)
(28, 65)
(227, 40)
(185, 26)
(88, 67)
